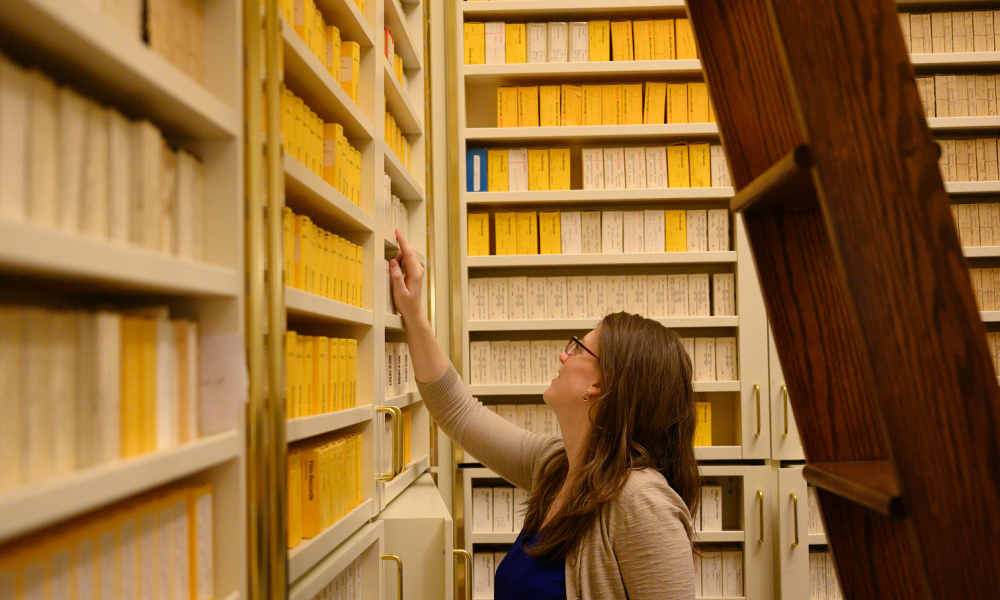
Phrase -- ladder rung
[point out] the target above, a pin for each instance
(871, 484)
(785, 187)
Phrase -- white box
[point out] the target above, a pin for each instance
(593, 169)
(635, 168)
(815, 517)
(940, 40)
(479, 363)
(537, 290)
(656, 167)
(517, 165)
(597, 299)
(497, 298)
(726, 368)
(482, 510)
(704, 359)
(817, 576)
(677, 295)
(616, 295)
(520, 360)
(718, 230)
(541, 364)
(526, 417)
(633, 231)
(723, 294)
(520, 507)
(482, 575)
(711, 573)
(591, 228)
(559, 42)
(496, 43)
(611, 232)
(688, 345)
(732, 573)
(556, 348)
(697, 231)
(508, 412)
(656, 296)
(654, 234)
(517, 298)
(546, 420)
(478, 292)
(576, 297)
(538, 42)
(570, 234)
(635, 301)
(579, 41)
(503, 510)
(500, 363)
(698, 588)
(614, 168)
(711, 509)
(698, 296)
(555, 306)
(720, 168)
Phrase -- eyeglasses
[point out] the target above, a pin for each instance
(574, 343)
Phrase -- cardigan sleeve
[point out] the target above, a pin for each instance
(508, 450)
(652, 546)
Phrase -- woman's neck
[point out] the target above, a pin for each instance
(575, 435)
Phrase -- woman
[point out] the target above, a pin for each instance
(610, 506)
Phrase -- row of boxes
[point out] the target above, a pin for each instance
(321, 374)
(959, 95)
(601, 232)
(397, 141)
(325, 482)
(319, 262)
(498, 509)
(945, 32)
(68, 163)
(396, 215)
(395, 61)
(398, 371)
(986, 287)
(815, 522)
(498, 43)
(594, 296)
(157, 545)
(340, 57)
(718, 572)
(993, 343)
(534, 169)
(537, 418)
(349, 585)
(823, 582)
(978, 224)
(652, 103)
(969, 160)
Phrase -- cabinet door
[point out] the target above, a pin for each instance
(356, 562)
(793, 534)
(758, 502)
(785, 442)
(754, 379)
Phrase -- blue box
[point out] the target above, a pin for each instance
(476, 173)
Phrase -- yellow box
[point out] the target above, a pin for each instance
(703, 424)
(352, 373)
(321, 372)
(290, 342)
(711, 110)
(698, 103)
(342, 371)
(571, 98)
(549, 232)
(298, 371)
(527, 232)
(310, 397)
(677, 103)
(678, 166)
(632, 104)
(538, 169)
(507, 107)
(600, 41)
(360, 288)
(498, 176)
(559, 169)
(505, 233)
(621, 41)
(337, 472)
(350, 51)
(592, 105)
(148, 413)
(642, 39)
(350, 473)
(611, 104)
(336, 387)
(549, 106)
(311, 521)
(325, 485)
(479, 234)
(700, 159)
(654, 108)
(527, 106)
(675, 230)
(686, 47)
(294, 498)
(516, 44)
(475, 43)
(333, 142)
(131, 373)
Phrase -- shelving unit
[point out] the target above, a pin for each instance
(82, 48)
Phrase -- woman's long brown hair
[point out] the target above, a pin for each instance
(643, 419)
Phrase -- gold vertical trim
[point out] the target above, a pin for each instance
(430, 267)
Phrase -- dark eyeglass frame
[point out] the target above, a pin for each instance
(575, 341)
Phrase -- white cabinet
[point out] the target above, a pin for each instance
(754, 379)
(794, 538)
(357, 562)
(785, 442)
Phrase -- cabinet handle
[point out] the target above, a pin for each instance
(399, 573)
(467, 560)
(756, 392)
(760, 498)
(394, 415)
(784, 400)
(795, 509)
(398, 448)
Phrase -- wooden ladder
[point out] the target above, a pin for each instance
(866, 288)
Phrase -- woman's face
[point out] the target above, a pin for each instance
(580, 374)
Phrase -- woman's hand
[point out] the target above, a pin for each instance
(406, 289)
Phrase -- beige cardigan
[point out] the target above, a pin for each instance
(639, 548)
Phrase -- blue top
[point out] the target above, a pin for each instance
(522, 577)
